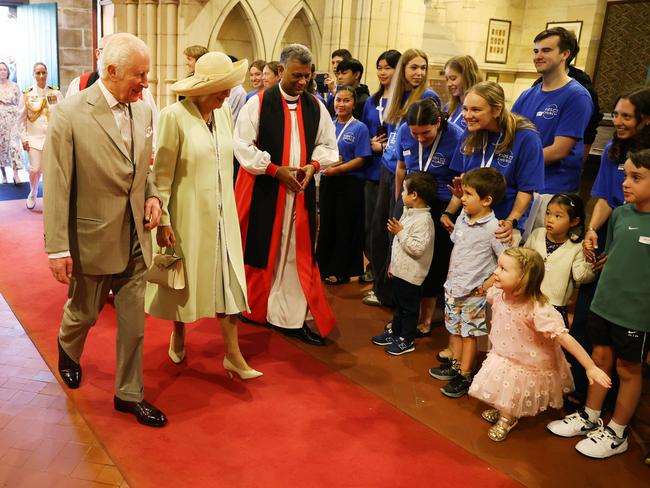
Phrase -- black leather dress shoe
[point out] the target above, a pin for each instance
(69, 370)
(245, 320)
(145, 412)
(306, 335)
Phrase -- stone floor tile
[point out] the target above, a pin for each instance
(110, 475)
(86, 470)
(96, 454)
(15, 457)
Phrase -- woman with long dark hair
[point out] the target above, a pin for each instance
(373, 117)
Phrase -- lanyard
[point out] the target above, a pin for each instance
(380, 109)
(460, 114)
(485, 145)
(338, 138)
(433, 151)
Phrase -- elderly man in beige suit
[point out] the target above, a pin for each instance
(99, 208)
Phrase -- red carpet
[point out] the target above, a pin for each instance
(301, 424)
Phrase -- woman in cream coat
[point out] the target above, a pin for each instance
(194, 172)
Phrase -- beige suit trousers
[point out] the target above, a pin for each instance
(86, 297)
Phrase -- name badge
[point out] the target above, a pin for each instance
(407, 152)
(51, 99)
(644, 240)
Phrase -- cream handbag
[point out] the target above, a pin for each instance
(166, 270)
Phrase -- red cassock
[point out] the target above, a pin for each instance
(261, 247)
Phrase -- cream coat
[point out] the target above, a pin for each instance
(194, 179)
(565, 267)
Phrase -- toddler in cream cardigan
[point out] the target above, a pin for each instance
(558, 242)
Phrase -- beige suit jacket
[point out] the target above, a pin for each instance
(92, 188)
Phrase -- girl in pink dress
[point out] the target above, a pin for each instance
(525, 371)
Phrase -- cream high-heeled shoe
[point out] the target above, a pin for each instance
(244, 374)
(176, 357)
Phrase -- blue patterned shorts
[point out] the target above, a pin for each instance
(465, 316)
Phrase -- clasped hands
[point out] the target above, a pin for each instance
(589, 249)
(295, 179)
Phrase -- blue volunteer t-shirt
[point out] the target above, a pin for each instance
(609, 182)
(457, 117)
(522, 167)
(562, 112)
(353, 142)
(371, 119)
(389, 159)
(408, 150)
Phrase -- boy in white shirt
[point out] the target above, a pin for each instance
(410, 260)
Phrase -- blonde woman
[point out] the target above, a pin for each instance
(507, 142)
(461, 74)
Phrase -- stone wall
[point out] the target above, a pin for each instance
(458, 27)
(75, 23)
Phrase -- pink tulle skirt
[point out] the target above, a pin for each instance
(519, 390)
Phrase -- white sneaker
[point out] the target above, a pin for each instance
(31, 201)
(602, 443)
(371, 299)
(577, 423)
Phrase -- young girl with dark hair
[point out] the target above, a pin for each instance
(341, 235)
(558, 242)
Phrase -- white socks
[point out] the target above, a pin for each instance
(619, 430)
(594, 415)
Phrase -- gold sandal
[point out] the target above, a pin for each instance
(499, 431)
(491, 415)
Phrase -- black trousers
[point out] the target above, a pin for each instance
(380, 251)
(407, 308)
(371, 188)
(341, 235)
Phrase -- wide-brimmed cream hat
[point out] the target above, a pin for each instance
(213, 72)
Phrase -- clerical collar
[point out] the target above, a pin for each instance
(287, 97)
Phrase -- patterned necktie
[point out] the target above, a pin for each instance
(125, 128)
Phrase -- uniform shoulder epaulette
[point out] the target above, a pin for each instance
(53, 87)
(27, 90)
